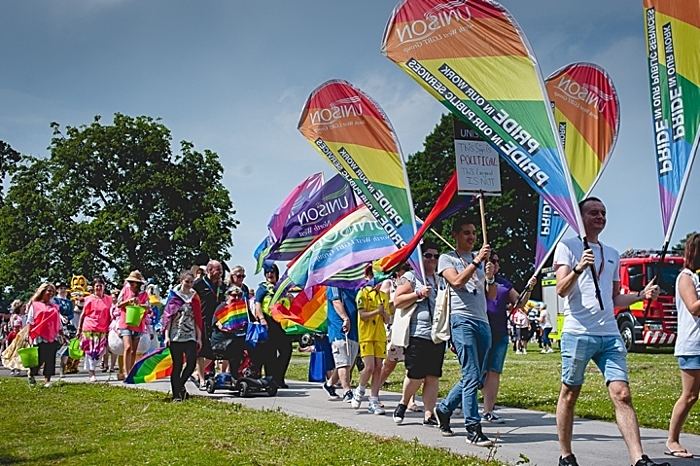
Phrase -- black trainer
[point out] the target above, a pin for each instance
(646, 461)
(568, 461)
(330, 389)
(443, 423)
(430, 422)
(476, 437)
(399, 413)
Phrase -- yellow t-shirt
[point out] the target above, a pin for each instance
(372, 329)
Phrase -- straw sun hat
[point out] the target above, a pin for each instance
(135, 276)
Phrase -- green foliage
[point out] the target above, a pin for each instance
(113, 198)
(510, 218)
(680, 247)
(96, 424)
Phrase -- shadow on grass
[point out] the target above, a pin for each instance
(8, 458)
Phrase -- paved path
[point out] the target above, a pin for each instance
(529, 433)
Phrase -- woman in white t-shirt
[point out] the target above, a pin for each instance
(687, 344)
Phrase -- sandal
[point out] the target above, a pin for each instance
(415, 408)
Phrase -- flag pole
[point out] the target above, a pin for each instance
(483, 217)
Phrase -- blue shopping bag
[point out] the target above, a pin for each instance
(255, 333)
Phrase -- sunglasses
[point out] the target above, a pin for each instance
(238, 275)
(428, 255)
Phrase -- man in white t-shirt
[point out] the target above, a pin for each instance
(591, 333)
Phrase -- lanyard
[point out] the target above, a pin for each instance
(602, 261)
(211, 288)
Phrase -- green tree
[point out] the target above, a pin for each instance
(680, 247)
(510, 218)
(112, 198)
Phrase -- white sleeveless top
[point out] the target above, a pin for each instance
(688, 334)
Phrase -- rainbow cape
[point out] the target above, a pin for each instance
(232, 317)
(307, 313)
(153, 366)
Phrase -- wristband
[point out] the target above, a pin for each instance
(476, 264)
(490, 282)
(577, 271)
(639, 294)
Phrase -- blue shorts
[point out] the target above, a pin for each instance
(125, 332)
(608, 352)
(497, 354)
(689, 363)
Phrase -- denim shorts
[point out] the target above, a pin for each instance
(125, 332)
(689, 363)
(497, 354)
(608, 353)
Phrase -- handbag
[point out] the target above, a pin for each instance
(255, 333)
(440, 328)
(401, 327)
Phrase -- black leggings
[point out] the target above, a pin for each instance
(47, 358)
(276, 352)
(188, 349)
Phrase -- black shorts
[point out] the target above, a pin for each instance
(423, 358)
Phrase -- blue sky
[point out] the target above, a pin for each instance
(233, 76)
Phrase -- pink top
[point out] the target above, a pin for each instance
(143, 301)
(96, 313)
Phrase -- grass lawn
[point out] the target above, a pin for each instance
(532, 381)
(96, 424)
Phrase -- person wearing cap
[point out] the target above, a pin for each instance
(131, 295)
(94, 325)
(230, 342)
(277, 351)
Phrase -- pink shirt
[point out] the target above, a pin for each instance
(96, 314)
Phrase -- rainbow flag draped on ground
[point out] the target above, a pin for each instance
(473, 57)
(673, 55)
(153, 366)
(587, 115)
(355, 136)
(339, 256)
(307, 313)
(290, 206)
(232, 316)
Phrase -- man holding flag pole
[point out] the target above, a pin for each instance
(590, 331)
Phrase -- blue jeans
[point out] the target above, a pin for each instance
(472, 340)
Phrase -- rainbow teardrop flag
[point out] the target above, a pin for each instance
(587, 115)
(153, 366)
(356, 137)
(233, 316)
(306, 314)
(673, 56)
(473, 57)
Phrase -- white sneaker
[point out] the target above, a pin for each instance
(550, 350)
(47, 385)
(93, 379)
(524, 351)
(375, 409)
(518, 352)
(544, 351)
(356, 399)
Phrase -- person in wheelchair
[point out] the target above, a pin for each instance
(229, 328)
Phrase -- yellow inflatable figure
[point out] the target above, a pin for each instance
(77, 293)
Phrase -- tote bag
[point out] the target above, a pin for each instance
(401, 327)
(440, 329)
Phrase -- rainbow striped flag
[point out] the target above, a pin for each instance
(673, 35)
(232, 317)
(307, 313)
(153, 366)
(474, 58)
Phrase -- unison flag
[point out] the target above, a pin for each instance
(673, 55)
(473, 57)
(289, 207)
(355, 136)
(332, 202)
(338, 256)
(306, 314)
(587, 115)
